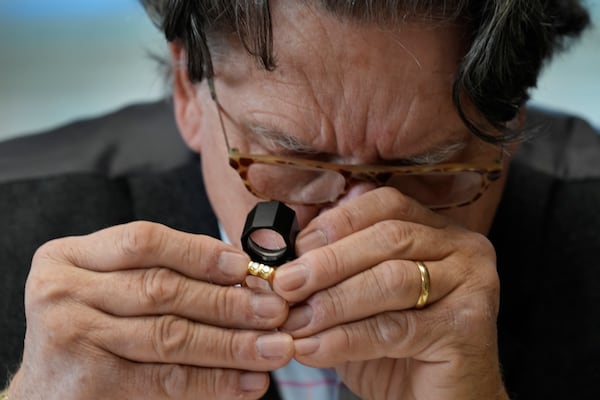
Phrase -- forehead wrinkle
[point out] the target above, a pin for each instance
(352, 121)
(304, 37)
(330, 98)
(427, 119)
(316, 122)
(319, 97)
(332, 101)
(376, 114)
(345, 123)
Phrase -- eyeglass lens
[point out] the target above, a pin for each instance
(313, 186)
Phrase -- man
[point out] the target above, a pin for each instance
(388, 129)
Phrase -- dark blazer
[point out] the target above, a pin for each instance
(132, 165)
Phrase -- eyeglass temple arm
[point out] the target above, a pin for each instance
(211, 88)
(209, 73)
(213, 94)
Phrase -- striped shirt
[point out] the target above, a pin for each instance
(299, 382)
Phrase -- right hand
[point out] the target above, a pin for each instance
(144, 311)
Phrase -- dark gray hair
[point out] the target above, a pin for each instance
(510, 40)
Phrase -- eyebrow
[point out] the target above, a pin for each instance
(280, 139)
(437, 155)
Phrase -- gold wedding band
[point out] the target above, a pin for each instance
(425, 285)
(261, 270)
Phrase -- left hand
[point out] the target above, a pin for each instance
(356, 284)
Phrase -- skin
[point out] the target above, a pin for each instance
(143, 311)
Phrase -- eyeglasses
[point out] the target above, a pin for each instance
(295, 180)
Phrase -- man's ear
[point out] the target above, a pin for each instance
(188, 112)
(517, 124)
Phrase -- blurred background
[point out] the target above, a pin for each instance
(63, 60)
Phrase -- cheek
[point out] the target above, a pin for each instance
(470, 217)
(230, 201)
(479, 216)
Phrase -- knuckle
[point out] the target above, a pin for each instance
(139, 238)
(480, 264)
(472, 314)
(393, 233)
(222, 384)
(466, 321)
(391, 278)
(349, 337)
(71, 330)
(183, 382)
(392, 328)
(344, 217)
(401, 205)
(49, 251)
(191, 251)
(474, 244)
(172, 380)
(44, 285)
(229, 305)
(62, 251)
(234, 307)
(490, 282)
(51, 299)
(328, 262)
(240, 347)
(170, 336)
(225, 346)
(41, 288)
(160, 286)
(328, 306)
(225, 384)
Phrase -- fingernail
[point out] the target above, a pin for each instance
(291, 277)
(299, 318)
(313, 240)
(266, 306)
(233, 264)
(253, 381)
(307, 346)
(274, 346)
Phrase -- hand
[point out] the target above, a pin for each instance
(141, 311)
(356, 284)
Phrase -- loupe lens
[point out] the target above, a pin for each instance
(268, 243)
(270, 233)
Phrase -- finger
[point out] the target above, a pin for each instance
(144, 244)
(390, 286)
(436, 334)
(174, 340)
(181, 382)
(160, 291)
(345, 343)
(381, 204)
(387, 240)
(257, 285)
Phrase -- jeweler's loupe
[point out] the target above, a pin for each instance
(269, 234)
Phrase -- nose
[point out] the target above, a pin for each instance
(356, 189)
(305, 214)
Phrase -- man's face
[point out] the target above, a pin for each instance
(344, 92)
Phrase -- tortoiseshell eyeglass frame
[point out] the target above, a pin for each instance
(377, 174)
